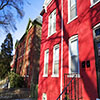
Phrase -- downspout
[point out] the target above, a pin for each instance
(61, 84)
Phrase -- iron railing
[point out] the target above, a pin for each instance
(72, 88)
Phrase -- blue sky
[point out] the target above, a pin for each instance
(31, 11)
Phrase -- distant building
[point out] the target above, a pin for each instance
(26, 59)
(70, 50)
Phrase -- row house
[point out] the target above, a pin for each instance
(70, 50)
(27, 53)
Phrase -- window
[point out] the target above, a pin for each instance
(44, 96)
(52, 23)
(46, 58)
(73, 55)
(29, 43)
(47, 2)
(96, 31)
(93, 2)
(56, 61)
(28, 69)
(72, 9)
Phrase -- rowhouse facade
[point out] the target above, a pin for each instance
(70, 50)
(27, 53)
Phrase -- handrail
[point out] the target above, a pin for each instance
(66, 86)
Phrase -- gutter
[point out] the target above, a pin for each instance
(61, 49)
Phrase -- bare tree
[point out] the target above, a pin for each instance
(10, 10)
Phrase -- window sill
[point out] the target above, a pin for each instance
(51, 34)
(55, 76)
(45, 75)
(72, 20)
(72, 75)
(94, 3)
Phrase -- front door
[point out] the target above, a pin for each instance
(97, 56)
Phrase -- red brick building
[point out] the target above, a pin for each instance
(70, 50)
(27, 53)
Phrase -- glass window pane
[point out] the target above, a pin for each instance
(74, 49)
(56, 68)
(72, 2)
(73, 12)
(46, 62)
(95, 1)
(56, 60)
(74, 64)
(97, 31)
(54, 21)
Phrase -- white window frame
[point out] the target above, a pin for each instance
(71, 74)
(45, 57)
(92, 4)
(52, 21)
(44, 96)
(94, 28)
(69, 19)
(53, 74)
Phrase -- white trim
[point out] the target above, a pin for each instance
(46, 51)
(45, 75)
(61, 81)
(72, 75)
(55, 75)
(46, 3)
(94, 28)
(73, 38)
(69, 21)
(92, 4)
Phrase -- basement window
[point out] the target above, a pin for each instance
(44, 96)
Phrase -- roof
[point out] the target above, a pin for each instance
(37, 20)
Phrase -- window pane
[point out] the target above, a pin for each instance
(56, 53)
(72, 2)
(74, 57)
(50, 24)
(56, 68)
(54, 21)
(56, 60)
(46, 62)
(74, 64)
(95, 1)
(46, 68)
(97, 31)
(73, 12)
(74, 48)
